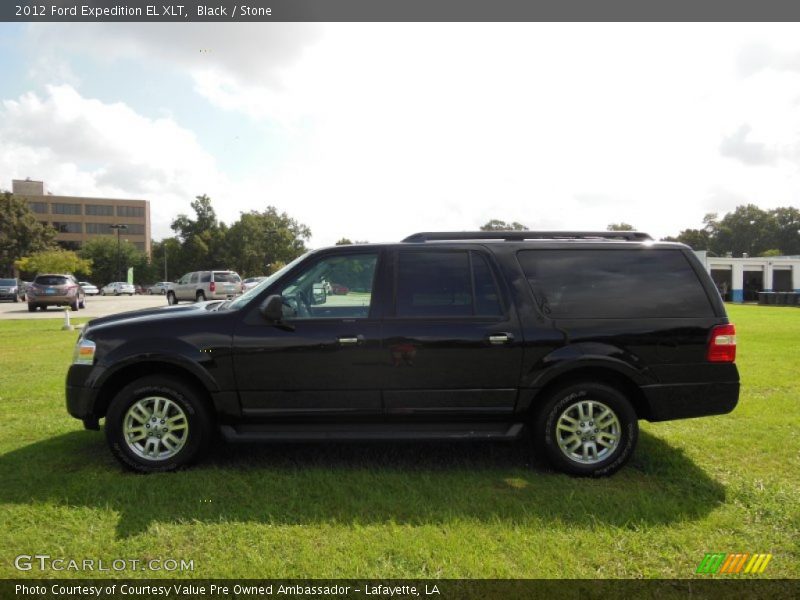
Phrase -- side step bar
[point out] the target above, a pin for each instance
(380, 432)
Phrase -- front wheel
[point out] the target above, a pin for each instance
(586, 429)
(158, 423)
(171, 299)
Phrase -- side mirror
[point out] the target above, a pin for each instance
(272, 308)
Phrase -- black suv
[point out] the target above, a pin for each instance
(571, 336)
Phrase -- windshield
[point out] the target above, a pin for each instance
(8, 282)
(255, 291)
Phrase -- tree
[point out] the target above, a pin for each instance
(202, 238)
(54, 261)
(696, 239)
(102, 253)
(20, 233)
(498, 225)
(621, 226)
(348, 242)
(259, 240)
(748, 229)
(787, 225)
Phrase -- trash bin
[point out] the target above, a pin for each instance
(762, 297)
(772, 297)
(781, 298)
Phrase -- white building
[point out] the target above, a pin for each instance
(740, 279)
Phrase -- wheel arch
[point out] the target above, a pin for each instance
(593, 374)
(123, 376)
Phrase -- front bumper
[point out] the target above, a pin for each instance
(686, 400)
(81, 400)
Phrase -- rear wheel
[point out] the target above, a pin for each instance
(158, 423)
(31, 307)
(587, 429)
(201, 296)
(171, 299)
(82, 303)
(74, 306)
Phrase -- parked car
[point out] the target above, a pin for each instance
(89, 288)
(251, 282)
(138, 289)
(10, 290)
(571, 337)
(55, 290)
(339, 290)
(118, 288)
(159, 288)
(200, 286)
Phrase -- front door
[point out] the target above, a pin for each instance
(327, 361)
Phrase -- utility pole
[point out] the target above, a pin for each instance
(119, 227)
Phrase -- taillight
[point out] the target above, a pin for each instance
(212, 287)
(722, 344)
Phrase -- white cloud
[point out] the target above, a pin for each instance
(394, 128)
(85, 147)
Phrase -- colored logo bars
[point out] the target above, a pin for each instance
(733, 563)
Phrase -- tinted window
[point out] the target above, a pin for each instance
(487, 298)
(99, 209)
(68, 227)
(614, 283)
(193, 278)
(60, 208)
(226, 277)
(8, 282)
(205, 277)
(51, 280)
(446, 283)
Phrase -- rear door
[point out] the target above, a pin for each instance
(452, 337)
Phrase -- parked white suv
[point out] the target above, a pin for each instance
(200, 286)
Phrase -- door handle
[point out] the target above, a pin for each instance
(500, 338)
(349, 340)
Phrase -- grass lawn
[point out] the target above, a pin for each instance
(720, 484)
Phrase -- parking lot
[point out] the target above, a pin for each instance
(96, 306)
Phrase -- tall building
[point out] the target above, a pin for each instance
(77, 219)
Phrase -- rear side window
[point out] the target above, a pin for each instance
(51, 280)
(446, 284)
(614, 284)
(205, 277)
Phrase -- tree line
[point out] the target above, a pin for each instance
(261, 242)
(257, 243)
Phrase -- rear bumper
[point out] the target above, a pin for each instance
(50, 300)
(686, 400)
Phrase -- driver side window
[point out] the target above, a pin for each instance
(335, 287)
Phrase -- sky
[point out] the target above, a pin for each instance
(374, 131)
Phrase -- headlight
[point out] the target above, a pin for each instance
(84, 352)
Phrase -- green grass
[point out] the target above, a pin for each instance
(721, 484)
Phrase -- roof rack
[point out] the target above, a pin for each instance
(515, 236)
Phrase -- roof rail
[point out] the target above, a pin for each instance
(515, 236)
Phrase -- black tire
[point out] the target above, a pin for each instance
(201, 296)
(31, 307)
(200, 425)
(559, 402)
(171, 299)
(102, 292)
(82, 303)
(43, 307)
(16, 298)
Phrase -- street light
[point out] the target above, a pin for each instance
(118, 228)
